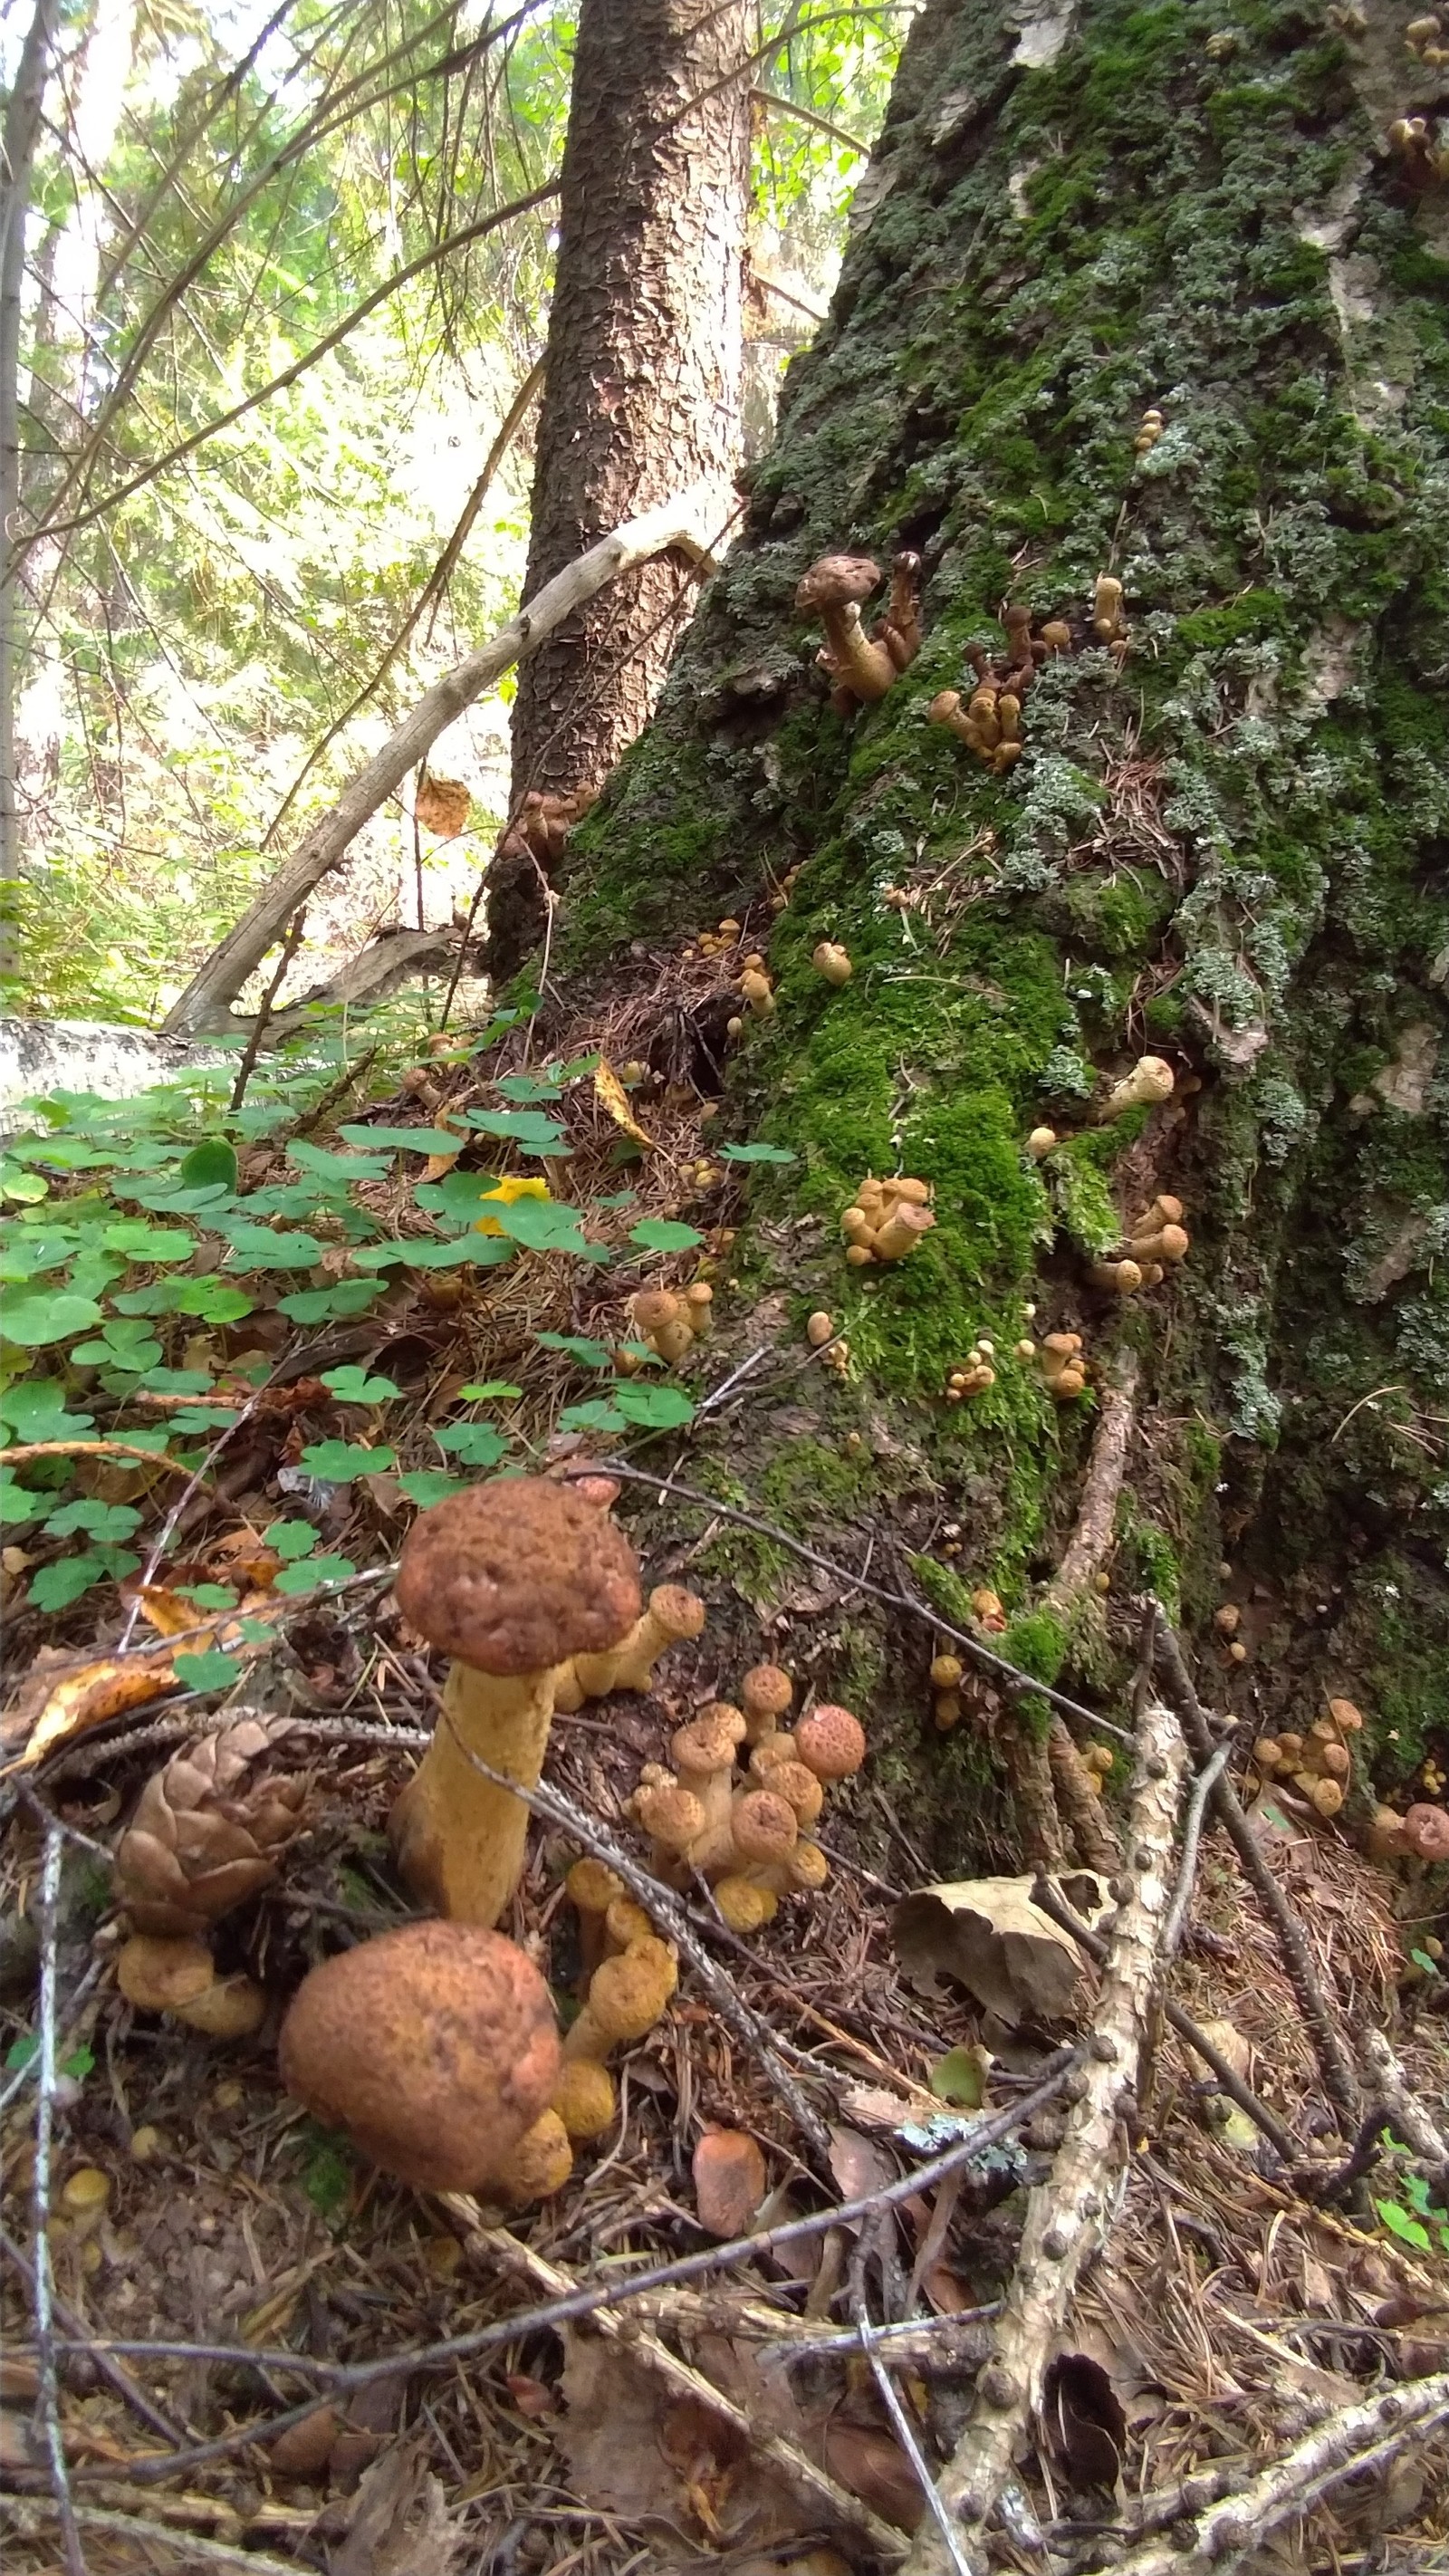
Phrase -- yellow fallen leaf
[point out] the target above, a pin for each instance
(505, 1192)
(610, 1090)
(89, 1697)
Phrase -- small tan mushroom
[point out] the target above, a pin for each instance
(1150, 1080)
(832, 590)
(947, 1674)
(832, 962)
(831, 1742)
(671, 1614)
(176, 1974)
(765, 1695)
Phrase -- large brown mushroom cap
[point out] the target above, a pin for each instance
(1426, 1832)
(834, 582)
(516, 1575)
(435, 2047)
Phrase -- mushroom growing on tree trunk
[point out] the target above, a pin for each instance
(511, 1579)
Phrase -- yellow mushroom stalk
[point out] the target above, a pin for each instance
(512, 1579)
(832, 962)
(1150, 1081)
(671, 1614)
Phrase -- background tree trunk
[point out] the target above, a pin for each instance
(642, 392)
(1227, 849)
(22, 130)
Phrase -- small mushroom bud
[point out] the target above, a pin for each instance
(756, 990)
(1122, 1278)
(1056, 636)
(1040, 1142)
(1107, 609)
(1327, 1796)
(1226, 1620)
(819, 1329)
(833, 962)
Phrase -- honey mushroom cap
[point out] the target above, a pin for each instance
(592, 1886)
(799, 1786)
(158, 1972)
(830, 1742)
(672, 1814)
(766, 1827)
(626, 1997)
(836, 581)
(1426, 1831)
(744, 1904)
(516, 1575)
(947, 1672)
(435, 2047)
(765, 1695)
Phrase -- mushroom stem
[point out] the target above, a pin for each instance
(458, 1839)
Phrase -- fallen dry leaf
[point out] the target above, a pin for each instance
(85, 1699)
(729, 2181)
(875, 2468)
(1084, 2420)
(609, 1090)
(399, 2523)
(859, 2166)
(988, 1935)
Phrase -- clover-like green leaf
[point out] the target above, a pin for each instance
(108, 1521)
(290, 1539)
(477, 1444)
(210, 1165)
(318, 1305)
(755, 1154)
(427, 1485)
(37, 1321)
(338, 1462)
(403, 1140)
(594, 1414)
(211, 1671)
(354, 1386)
(654, 1408)
(528, 1129)
(588, 1353)
(664, 1234)
(311, 1572)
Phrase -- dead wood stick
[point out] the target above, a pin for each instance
(1052, 1903)
(1339, 2080)
(1405, 2112)
(28, 2512)
(1091, 1827)
(1097, 1510)
(1065, 2217)
(682, 521)
(1357, 2438)
(814, 2483)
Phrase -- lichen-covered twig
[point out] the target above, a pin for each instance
(1064, 2219)
(819, 2489)
(1408, 2116)
(1334, 2065)
(1202, 1789)
(1341, 2447)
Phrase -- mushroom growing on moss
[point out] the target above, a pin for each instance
(434, 2047)
(886, 1220)
(860, 669)
(1059, 1358)
(947, 1674)
(832, 962)
(1149, 1081)
(511, 1579)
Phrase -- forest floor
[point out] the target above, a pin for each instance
(265, 2354)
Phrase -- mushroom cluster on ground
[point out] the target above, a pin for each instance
(749, 1835)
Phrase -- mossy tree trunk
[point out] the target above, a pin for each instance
(1230, 849)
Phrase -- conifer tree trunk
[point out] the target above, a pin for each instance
(642, 392)
(1144, 294)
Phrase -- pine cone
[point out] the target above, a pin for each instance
(208, 1829)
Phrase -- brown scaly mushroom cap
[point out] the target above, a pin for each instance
(1426, 1832)
(516, 1575)
(435, 2047)
(836, 581)
(830, 1742)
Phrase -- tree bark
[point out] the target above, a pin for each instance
(642, 388)
(1223, 845)
(21, 133)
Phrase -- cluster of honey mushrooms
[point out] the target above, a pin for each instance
(1417, 139)
(436, 2047)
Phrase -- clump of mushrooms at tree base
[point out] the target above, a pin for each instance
(435, 2048)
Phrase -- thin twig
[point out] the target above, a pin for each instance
(1054, 1904)
(250, 1052)
(1011, 1674)
(1339, 2081)
(586, 2301)
(188, 2546)
(47, 2403)
(905, 2430)
(105, 2362)
(1191, 1841)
